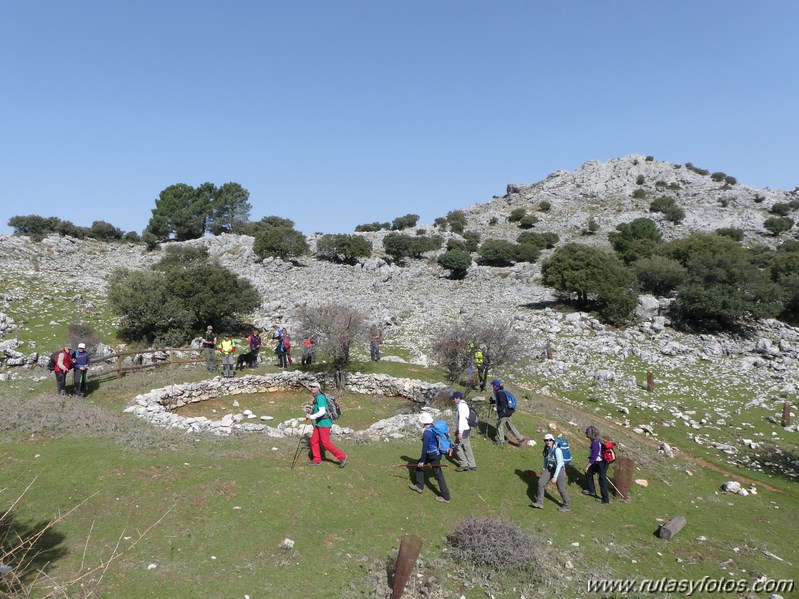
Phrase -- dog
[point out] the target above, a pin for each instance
(247, 359)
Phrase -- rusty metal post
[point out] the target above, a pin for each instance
(650, 381)
(786, 414)
(624, 470)
(410, 547)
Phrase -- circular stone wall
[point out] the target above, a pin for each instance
(156, 406)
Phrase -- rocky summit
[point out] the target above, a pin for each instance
(754, 372)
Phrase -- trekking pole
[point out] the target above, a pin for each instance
(615, 488)
(297, 453)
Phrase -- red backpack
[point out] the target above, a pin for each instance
(608, 453)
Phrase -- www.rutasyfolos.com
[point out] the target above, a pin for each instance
(689, 586)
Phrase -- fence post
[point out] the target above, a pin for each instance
(410, 547)
(650, 381)
(119, 366)
(624, 469)
(549, 350)
(786, 414)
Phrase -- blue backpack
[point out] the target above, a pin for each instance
(441, 431)
(511, 399)
(564, 448)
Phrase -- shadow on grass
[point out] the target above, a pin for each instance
(27, 548)
(777, 462)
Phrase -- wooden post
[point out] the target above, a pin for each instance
(549, 350)
(410, 547)
(650, 381)
(119, 366)
(623, 474)
(786, 414)
(671, 528)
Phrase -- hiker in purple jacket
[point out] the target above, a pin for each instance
(596, 465)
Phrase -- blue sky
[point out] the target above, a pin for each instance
(335, 113)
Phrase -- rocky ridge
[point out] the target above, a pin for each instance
(414, 302)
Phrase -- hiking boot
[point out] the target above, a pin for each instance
(343, 462)
(312, 463)
(564, 508)
(499, 443)
(473, 468)
(589, 493)
(440, 499)
(536, 505)
(413, 487)
(461, 469)
(598, 500)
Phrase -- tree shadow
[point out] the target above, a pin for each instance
(541, 305)
(776, 461)
(27, 548)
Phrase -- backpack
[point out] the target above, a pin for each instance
(511, 399)
(333, 409)
(52, 361)
(565, 449)
(473, 419)
(608, 453)
(441, 431)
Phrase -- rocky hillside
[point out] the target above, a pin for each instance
(753, 373)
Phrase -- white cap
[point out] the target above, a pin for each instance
(425, 418)
(548, 437)
(81, 346)
(314, 385)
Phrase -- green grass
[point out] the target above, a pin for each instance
(236, 499)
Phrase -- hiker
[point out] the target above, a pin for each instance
(255, 346)
(287, 347)
(209, 347)
(280, 348)
(308, 351)
(596, 465)
(499, 398)
(63, 364)
(431, 457)
(80, 365)
(318, 412)
(227, 348)
(463, 448)
(480, 367)
(554, 469)
(375, 339)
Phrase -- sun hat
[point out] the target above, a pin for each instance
(81, 346)
(210, 328)
(314, 385)
(548, 437)
(425, 418)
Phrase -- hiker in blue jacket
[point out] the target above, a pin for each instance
(554, 469)
(430, 457)
(504, 412)
(80, 361)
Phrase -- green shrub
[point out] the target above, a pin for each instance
(280, 241)
(592, 226)
(528, 221)
(544, 240)
(343, 248)
(456, 220)
(404, 222)
(639, 180)
(698, 171)
(668, 207)
(456, 260)
(780, 209)
(544, 206)
(649, 158)
(397, 246)
(526, 253)
(639, 194)
(636, 239)
(660, 183)
(759, 199)
(731, 232)
(472, 239)
(516, 215)
(441, 223)
(497, 252)
(729, 180)
(778, 224)
(368, 227)
(493, 221)
(718, 176)
(658, 275)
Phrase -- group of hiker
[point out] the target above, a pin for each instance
(62, 361)
(556, 453)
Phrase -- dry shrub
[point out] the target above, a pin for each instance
(378, 579)
(496, 543)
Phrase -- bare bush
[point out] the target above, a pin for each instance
(498, 544)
